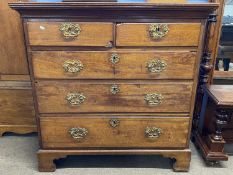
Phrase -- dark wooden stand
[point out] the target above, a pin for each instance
(215, 127)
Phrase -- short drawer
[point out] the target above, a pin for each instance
(113, 96)
(69, 34)
(114, 65)
(158, 34)
(76, 132)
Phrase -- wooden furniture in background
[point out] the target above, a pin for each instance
(100, 93)
(208, 61)
(225, 55)
(16, 104)
(216, 124)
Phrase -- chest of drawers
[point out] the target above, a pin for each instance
(114, 78)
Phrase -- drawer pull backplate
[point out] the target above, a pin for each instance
(73, 66)
(70, 30)
(78, 133)
(153, 132)
(153, 99)
(75, 98)
(156, 66)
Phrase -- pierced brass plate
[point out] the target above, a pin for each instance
(153, 99)
(70, 30)
(75, 98)
(156, 66)
(158, 31)
(78, 133)
(153, 132)
(73, 66)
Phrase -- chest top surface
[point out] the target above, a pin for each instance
(222, 94)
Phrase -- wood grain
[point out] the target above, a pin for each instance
(12, 51)
(221, 94)
(52, 96)
(129, 133)
(16, 107)
(97, 65)
(48, 34)
(137, 34)
(187, 24)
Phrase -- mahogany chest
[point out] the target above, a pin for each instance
(114, 78)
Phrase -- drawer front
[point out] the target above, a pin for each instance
(158, 34)
(113, 96)
(74, 132)
(110, 65)
(69, 34)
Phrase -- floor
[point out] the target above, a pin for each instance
(18, 157)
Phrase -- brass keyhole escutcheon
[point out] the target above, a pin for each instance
(114, 89)
(115, 58)
(114, 122)
(158, 31)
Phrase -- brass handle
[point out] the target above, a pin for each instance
(114, 122)
(70, 30)
(158, 31)
(153, 99)
(78, 133)
(115, 58)
(75, 98)
(114, 89)
(156, 66)
(73, 66)
(153, 132)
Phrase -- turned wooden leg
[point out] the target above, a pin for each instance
(222, 119)
(46, 162)
(182, 161)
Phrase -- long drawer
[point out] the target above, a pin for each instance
(158, 34)
(76, 132)
(113, 96)
(69, 34)
(114, 65)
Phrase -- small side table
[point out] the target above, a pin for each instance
(215, 126)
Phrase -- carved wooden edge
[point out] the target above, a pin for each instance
(19, 129)
(209, 155)
(46, 158)
(80, 5)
